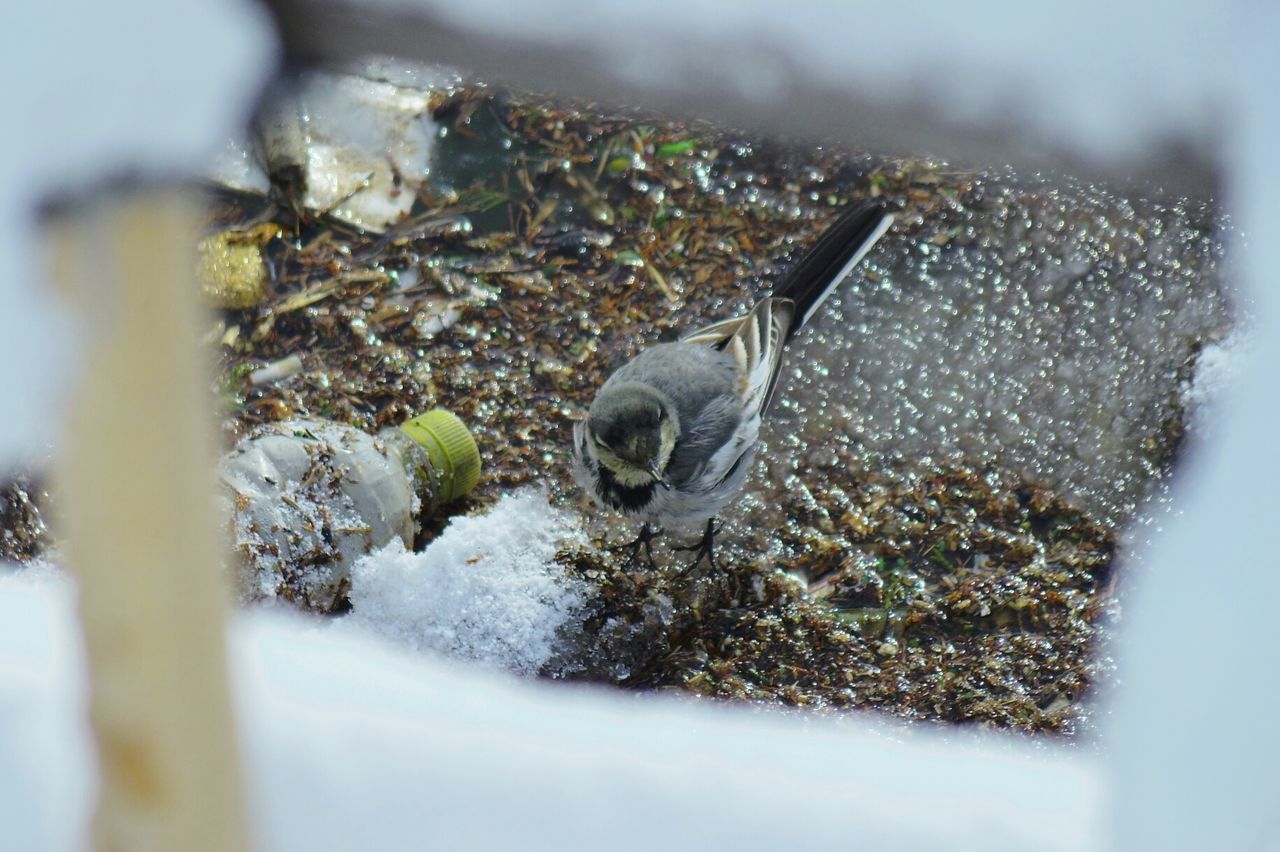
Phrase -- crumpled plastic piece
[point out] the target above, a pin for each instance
(343, 145)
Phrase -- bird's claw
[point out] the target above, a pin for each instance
(703, 548)
(643, 540)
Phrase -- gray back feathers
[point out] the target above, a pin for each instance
(717, 382)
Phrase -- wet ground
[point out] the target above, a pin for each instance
(24, 532)
(931, 527)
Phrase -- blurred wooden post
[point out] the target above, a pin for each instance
(135, 473)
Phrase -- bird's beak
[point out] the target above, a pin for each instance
(658, 477)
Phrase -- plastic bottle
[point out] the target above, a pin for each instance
(307, 498)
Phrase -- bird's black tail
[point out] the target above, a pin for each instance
(832, 258)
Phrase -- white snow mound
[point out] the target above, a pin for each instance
(1217, 370)
(487, 589)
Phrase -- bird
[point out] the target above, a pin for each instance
(671, 435)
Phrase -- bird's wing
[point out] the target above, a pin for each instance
(755, 341)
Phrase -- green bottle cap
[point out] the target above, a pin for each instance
(451, 449)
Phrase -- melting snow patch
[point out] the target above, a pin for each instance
(487, 589)
(1217, 369)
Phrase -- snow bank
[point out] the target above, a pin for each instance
(487, 589)
(1217, 370)
(47, 783)
(352, 744)
(89, 103)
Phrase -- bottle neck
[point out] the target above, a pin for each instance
(417, 467)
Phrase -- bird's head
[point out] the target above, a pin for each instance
(633, 428)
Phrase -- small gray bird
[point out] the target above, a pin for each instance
(671, 435)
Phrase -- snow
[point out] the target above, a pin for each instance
(30, 332)
(83, 101)
(1192, 741)
(1217, 371)
(994, 68)
(353, 744)
(47, 775)
(486, 589)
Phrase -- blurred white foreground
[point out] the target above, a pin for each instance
(351, 744)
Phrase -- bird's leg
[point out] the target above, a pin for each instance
(643, 540)
(704, 548)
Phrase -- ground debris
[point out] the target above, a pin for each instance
(24, 533)
(982, 610)
(554, 242)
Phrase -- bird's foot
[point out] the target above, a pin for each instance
(702, 549)
(643, 541)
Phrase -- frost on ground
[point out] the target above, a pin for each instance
(486, 589)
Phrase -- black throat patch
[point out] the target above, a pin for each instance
(623, 498)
